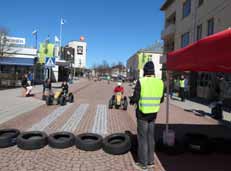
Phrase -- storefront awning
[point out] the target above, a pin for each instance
(16, 61)
(210, 54)
(62, 63)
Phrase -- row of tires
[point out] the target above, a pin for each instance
(116, 144)
(196, 143)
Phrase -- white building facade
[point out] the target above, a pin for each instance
(136, 62)
(16, 60)
(136, 72)
(80, 55)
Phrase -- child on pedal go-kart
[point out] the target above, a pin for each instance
(118, 99)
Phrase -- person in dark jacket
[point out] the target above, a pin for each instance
(47, 87)
(147, 107)
(26, 85)
(24, 81)
(65, 87)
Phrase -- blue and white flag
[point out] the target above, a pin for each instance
(34, 32)
(63, 21)
(56, 39)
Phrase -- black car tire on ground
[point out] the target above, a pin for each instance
(8, 137)
(197, 143)
(89, 141)
(49, 100)
(117, 144)
(71, 98)
(32, 140)
(62, 101)
(61, 140)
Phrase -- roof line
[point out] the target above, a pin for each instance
(166, 4)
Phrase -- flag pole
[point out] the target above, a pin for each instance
(60, 37)
(36, 40)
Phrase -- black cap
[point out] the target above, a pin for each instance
(149, 68)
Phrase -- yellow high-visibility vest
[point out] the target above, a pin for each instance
(150, 95)
(182, 83)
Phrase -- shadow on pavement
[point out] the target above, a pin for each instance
(188, 161)
(134, 142)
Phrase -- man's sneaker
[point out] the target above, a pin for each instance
(151, 165)
(141, 167)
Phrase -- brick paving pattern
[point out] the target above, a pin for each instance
(79, 119)
(48, 159)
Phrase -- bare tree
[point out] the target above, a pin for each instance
(103, 68)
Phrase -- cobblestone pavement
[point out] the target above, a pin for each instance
(88, 113)
(13, 104)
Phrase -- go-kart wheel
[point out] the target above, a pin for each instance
(44, 97)
(117, 106)
(110, 106)
(62, 101)
(49, 100)
(71, 98)
(125, 105)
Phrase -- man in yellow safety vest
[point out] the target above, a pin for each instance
(148, 95)
(182, 88)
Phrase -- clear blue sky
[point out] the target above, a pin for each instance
(114, 29)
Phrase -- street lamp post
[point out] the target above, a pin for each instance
(35, 33)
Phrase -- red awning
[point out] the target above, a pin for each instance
(211, 54)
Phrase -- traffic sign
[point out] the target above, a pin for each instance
(50, 62)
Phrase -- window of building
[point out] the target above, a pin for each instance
(200, 2)
(185, 39)
(199, 32)
(210, 26)
(186, 8)
(79, 50)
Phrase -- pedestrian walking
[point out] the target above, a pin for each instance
(47, 88)
(217, 105)
(25, 84)
(186, 88)
(148, 95)
(108, 79)
(176, 87)
(171, 87)
(182, 88)
(30, 78)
